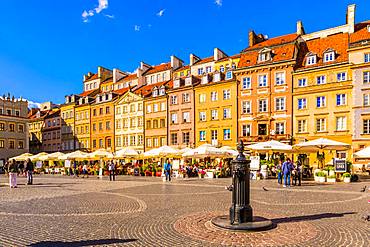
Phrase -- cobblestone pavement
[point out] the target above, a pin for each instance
(141, 211)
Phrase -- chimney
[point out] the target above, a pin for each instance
(300, 28)
(85, 77)
(351, 17)
(252, 38)
(176, 62)
(117, 75)
(100, 71)
(218, 54)
(193, 59)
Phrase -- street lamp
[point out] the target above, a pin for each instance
(241, 213)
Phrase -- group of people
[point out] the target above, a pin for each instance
(14, 169)
(287, 171)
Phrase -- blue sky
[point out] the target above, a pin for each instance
(47, 45)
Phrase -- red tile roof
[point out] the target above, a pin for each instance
(273, 42)
(279, 54)
(361, 32)
(158, 68)
(230, 57)
(92, 77)
(182, 68)
(129, 77)
(147, 89)
(204, 60)
(337, 42)
(89, 93)
(121, 91)
(34, 116)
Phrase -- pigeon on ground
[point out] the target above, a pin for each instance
(366, 217)
(363, 189)
(229, 188)
(265, 189)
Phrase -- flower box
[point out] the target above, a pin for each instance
(321, 179)
(347, 179)
(331, 180)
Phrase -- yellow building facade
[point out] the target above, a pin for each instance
(83, 126)
(216, 110)
(322, 94)
(67, 114)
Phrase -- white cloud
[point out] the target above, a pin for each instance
(32, 104)
(218, 2)
(161, 12)
(103, 4)
(137, 28)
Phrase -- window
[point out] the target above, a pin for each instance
(229, 75)
(214, 114)
(280, 78)
(246, 107)
(173, 100)
(321, 80)
(109, 142)
(185, 97)
(94, 112)
(148, 124)
(155, 92)
(202, 135)
(280, 104)
(118, 141)
(133, 123)
(262, 105)
(100, 112)
(227, 134)
(246, 130)
(311, 60)
(149, 142)
(9, 112)
(125, 141)
(367, 77)
(17, 113)
(140, 137)
(118, 124)
(367, 57)
(2, 127)
(186, 138)
(227, 113)
(125, 123)
(140, 121)
(329, 56)
(202, 98)
(11, 145)
(342, 76)
(173, 138)
(227, 94)
(155, 108)
(132, 108)
(200, 71)
(2, 144)
(140, 106)
(341, 99)
(163, 123)
(262, 80)
(20, 145)
(222, 68)
(11, 127)
(366, 126)
(186, 117)
(320, 101)
(214, 135)
(264, 56)
(155, 124)
(100, 126)
(20, 128)
(94, 127)
(341, 123)
(280, 128)
(247, 84)
(107, 125)
(302, 103)
(366, 100)
(320, 124)
(163, 106)
(214, 96)
(302, 126)
(174, 118)
(148, 108)
(133, 140)
(107, 110)
(202, 116)
(155, 140)
(208, 69)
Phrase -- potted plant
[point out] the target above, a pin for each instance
(158, 172)
(321, 176)
(201, 173)
(347, 177)
(331, 178)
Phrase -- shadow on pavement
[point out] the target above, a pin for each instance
(309, 217)
(94, 242)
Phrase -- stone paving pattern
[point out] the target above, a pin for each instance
(142, 211)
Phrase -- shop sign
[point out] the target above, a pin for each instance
(340, 165)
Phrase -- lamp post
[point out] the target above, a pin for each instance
(241, 213)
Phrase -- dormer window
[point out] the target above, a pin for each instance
(162, 91)
(188, 81)
(264, 55)
(205, 79)
(329, 56)
(311, 60)
(217, 76)
(155, 92)
(367, 57)
(200, 71)
(176, 83)
(229, 75)
(368, 28)
(208, 69)
(222, 68)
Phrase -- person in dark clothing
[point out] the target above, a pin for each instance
(21, 168)
(29, 169)
(75, 169)
(167, 170)
(112, 168)
(298, 174)
(287, 170)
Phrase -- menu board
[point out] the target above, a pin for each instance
(255, 163)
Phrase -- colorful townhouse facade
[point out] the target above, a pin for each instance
(35, 125)
(67, 114)
(359, 58)
(51, 135)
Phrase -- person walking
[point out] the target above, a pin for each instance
(299, 174)
(111, 168)
(75, 169)
(167, 170)
(279, 173)
(12, 170)
(287, 169)
(85, 171)
(29, 170)
(21, 166)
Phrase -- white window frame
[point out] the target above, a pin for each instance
(342, 99)
(302, 82)
(214, 114)
(262, 80)
(280, 104)
(227, 134)
(321, 79)
(341, 123)
(202, 135)
(227, 113)
(302, 125)
(280, 128)
(227, 94)
(320, 122)
(214, 96)
(264, 106)
(322, 101)
(303, 105)
(246, 107)
(366, 57)
(247, 82)
(329, 56)
(311, 60)
(280, 78)
(342, 76)
(202, 116)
